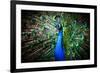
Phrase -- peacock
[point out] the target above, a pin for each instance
(59, 49)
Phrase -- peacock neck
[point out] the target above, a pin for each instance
(59, 50)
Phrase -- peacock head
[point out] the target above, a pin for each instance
(58, 22)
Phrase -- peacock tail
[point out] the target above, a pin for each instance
(40, 37)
